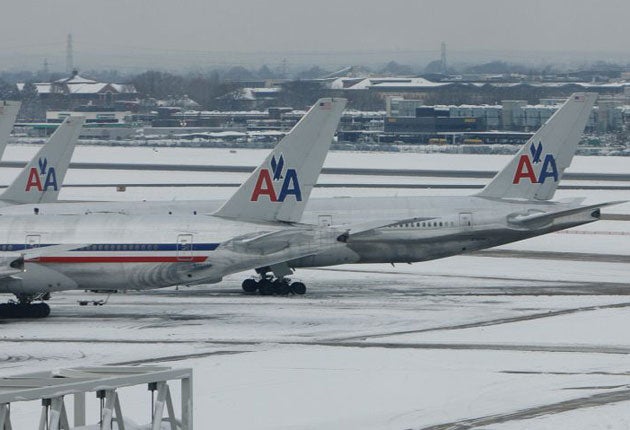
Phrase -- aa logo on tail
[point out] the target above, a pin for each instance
(269, 179)
(526, 170)
(43, 178)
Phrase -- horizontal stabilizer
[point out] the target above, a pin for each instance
(12, 263)
(541, 218)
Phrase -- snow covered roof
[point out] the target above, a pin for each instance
(353, 83)
(41, 87)
(257, 93)
(124, 88)
(384, 82)
(86, 88)
(77, 84)
(75, 79)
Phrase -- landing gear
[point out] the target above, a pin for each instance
(25, 308)
(268, 286)
(273, 281)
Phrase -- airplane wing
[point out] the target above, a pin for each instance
(369, 226)
(531, 220)
(307, 236)
(265, 243)
(268, 248)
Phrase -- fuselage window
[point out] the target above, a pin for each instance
(440, 223)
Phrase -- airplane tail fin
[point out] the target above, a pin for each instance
(40, 181)
(535, 172)
(280, 187)
(8, 113)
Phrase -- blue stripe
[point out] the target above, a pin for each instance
(138, 247)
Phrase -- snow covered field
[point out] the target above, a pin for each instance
(501, 341)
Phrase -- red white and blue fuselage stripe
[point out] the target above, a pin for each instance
(122, 253)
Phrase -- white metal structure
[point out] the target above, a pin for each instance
(52, 387)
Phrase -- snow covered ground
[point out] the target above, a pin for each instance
(500, 341)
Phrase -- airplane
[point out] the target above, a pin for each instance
(258, 226)
(262, 226)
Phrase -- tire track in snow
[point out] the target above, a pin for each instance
(486, 323)
(592, 401)
(582, 349)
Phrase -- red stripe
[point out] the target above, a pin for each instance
(135, 259)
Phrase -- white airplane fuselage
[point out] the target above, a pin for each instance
(119, 251)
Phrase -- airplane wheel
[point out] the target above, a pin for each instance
(40, 310)
(265, 288)
(18, 310)
(282, 288)
(298, 288)
(250, 286)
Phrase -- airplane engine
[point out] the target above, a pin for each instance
(11, 264)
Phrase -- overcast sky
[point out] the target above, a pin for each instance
(138, 31)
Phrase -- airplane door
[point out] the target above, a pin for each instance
(32, 241)
(185, 247)
(324, 220)
(465, 220)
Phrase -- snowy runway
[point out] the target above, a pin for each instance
(370, 347)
